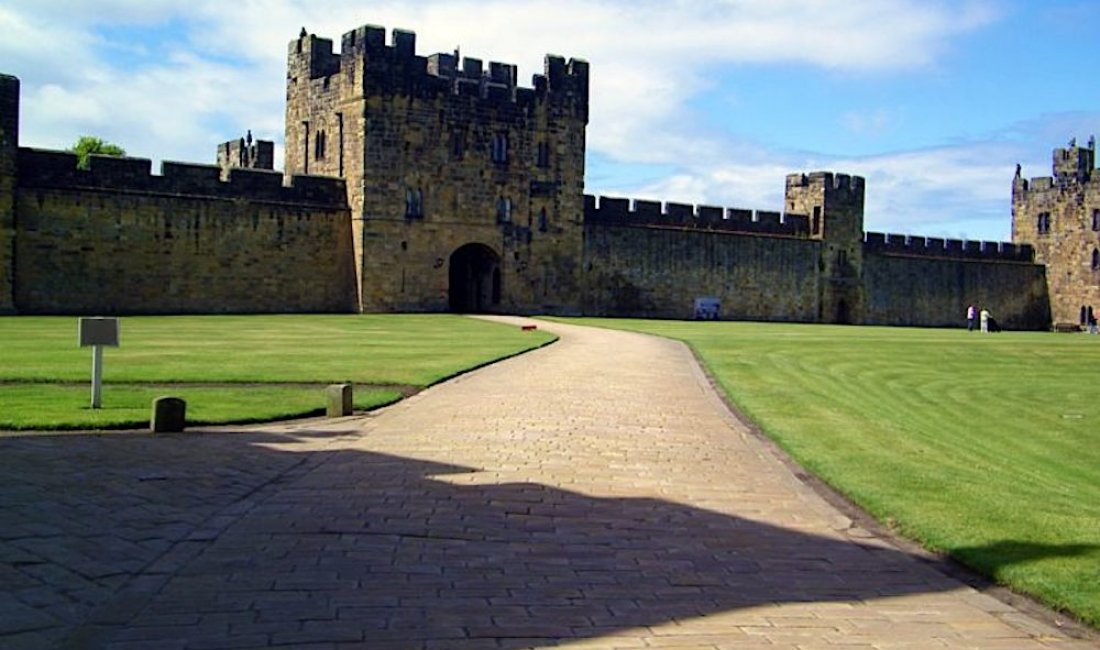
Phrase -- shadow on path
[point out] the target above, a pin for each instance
(254, 539)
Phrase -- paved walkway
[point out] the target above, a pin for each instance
(592, 494)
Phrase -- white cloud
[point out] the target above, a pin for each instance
(868, 123)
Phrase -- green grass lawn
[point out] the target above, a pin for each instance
(986, 447)
(235, 368)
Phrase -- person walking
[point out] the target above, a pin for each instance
(971, 317)
(984, 318)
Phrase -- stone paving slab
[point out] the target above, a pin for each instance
(592, 494)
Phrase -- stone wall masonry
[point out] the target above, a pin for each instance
(98, 250)
(655, 272)
(461, 195)
(9, 144)
(608, 211)
(912, 245)
(658, 273)
(1069, 243)
(934, 292)
(57, 169)
(1058, 215)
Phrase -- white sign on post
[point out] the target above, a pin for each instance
(97, 333)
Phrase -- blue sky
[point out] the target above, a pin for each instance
(934, 102)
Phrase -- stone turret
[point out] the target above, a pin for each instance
(1074, 164)
(834, 205)
(245, 153)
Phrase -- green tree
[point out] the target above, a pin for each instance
(87, 145)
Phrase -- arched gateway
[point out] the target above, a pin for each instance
(474, 279)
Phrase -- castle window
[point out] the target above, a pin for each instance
(414, 204)
(504, 210)
(1096, 219)
(340, 143)
(319, 146)
(543, 221)
(500, 148)
(1095, 260)
(1042, 223)
(305, 147)
(543, 155)
(816, 229)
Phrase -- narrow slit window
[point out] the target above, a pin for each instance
(500, 148)
(1042, 223)
(414, 204)
(504, 210)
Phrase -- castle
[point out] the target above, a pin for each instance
(440, 183)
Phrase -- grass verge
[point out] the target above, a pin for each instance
(241, 366)
(129, 407)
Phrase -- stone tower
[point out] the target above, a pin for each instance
(9, 149)
(246, 153)
(1059, 216)
(834, 205)
(466, 190)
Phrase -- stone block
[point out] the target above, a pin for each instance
(338, 400)
(169, 415)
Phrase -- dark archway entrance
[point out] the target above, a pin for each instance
(474, 279)
(843, 315)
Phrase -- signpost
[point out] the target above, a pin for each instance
(98, 332)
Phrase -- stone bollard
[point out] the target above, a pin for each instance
(169, 415)
(338, 400)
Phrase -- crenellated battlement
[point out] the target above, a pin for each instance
(1071, 169)
(915, 246)
(833, 183)
(395, 68)
(1051, 183)
(608, 211)
(58, 170)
